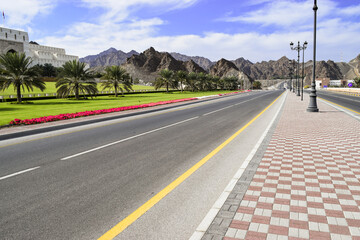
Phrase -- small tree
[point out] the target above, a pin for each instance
(357, 82)
(15, 70)
(74, 78)
(181, 77)
(191, 80)
(166, 79)
(117, 78)
(257, 85)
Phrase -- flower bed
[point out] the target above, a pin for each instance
(89, 113)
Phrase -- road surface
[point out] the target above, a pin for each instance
(78, 184)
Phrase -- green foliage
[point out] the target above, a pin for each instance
(357, 82)
(15, 70)
(117, 78)
(229, 83)
(47, 107)
(166, 79)
(181, 78)
(257, 85)
(75, 79)
(47, 70)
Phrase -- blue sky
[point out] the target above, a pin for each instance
(254, 29)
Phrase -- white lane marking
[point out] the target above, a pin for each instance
(126, 139)
(210, 216)
(17, 173)
(218, 110)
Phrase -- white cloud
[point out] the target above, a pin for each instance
(119, 10)
(121, 26)
(284, 13)
(352, 10)
(20, 13)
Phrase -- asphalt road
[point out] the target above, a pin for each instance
(78, 185)
(351, 102)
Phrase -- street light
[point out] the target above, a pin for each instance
(298, 48)
(291, 68)
(303, 69)
(312, 104)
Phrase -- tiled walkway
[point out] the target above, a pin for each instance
(307, 185)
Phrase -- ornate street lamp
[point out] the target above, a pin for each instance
(312, 104)
(303, 70)
(297, 48)
(291, 69)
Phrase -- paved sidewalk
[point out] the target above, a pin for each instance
(306, 184)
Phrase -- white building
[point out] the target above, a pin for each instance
(18, 41)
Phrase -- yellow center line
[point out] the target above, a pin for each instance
(121, 226)
(340, 106)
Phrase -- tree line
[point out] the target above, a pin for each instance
(73, 78)
(194, 81)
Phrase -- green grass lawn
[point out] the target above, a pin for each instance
(40, 108)
(50, 88)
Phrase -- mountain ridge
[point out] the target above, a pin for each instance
(257, 71)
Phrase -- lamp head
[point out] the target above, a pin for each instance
(291, 44)
(305, 44)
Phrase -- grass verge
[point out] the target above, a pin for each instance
(50, 88)
(40, 108)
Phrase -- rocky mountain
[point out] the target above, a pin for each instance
(328, 69)
(225, 68)
(148, 64)
(108, 58)
(201, 61)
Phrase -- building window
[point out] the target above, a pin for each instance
(24, 38)
(15, 36)
(5, 35)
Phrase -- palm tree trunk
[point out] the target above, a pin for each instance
(167, 87)
(77, 92)
(181, 86)
(18, 93)
(116, 94)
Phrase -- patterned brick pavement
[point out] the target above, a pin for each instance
(307, 185)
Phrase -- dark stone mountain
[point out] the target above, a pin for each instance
(109, 57)
(324, 69)
(201, 61)
(192, 66)
(147, 65)
(225, 68)
(152, 61)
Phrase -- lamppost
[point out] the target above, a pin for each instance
(303, 70)
(297, 48)
(291, 68)
(312, 104)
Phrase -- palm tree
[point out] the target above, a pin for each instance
(181, 76)
(191, 80)
(166, 79)
(15, 70)
(74, 78)
(117, 78)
